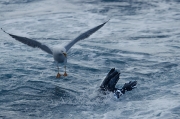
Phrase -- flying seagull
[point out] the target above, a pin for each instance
(60, 53)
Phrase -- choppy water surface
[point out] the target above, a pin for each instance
(141, 40)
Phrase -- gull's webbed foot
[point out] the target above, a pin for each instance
(65, 74)
(58, 75)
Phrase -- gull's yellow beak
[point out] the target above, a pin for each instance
(65, 54)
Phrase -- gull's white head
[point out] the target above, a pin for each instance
(59, 54)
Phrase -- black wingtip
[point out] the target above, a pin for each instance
(106, 21)
(4, 31)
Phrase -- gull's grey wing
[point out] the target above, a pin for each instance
(30, 42)
(84, 35)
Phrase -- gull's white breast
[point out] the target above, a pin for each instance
(58, 54)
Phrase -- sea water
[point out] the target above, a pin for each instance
(141, 40)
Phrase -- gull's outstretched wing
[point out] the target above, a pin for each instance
(84, 35)
(30, 42)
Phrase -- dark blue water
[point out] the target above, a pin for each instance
(141, 40)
